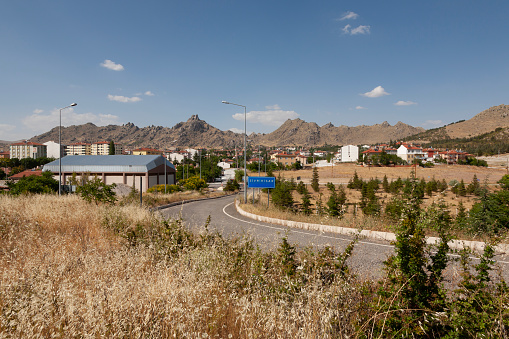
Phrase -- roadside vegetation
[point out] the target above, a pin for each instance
(475, 210)
(73, 268)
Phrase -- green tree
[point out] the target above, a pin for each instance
(97, 191)
(306, 202)
(34, 184)
(231, 185)
(111, 148)
(461, 217)
(336, 202)
(282, 194)
(315, 181)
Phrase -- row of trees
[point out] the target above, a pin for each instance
(490, 213)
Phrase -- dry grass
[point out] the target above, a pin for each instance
(160, 199)
(67, 270)
(341, 173)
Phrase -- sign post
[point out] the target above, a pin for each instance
(262, 182)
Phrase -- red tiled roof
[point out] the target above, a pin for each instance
(26, 173)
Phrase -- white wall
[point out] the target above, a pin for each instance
(349, 153)
(52, 149)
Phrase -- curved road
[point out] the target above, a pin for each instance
(366, 260)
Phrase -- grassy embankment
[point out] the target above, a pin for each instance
(73, 269)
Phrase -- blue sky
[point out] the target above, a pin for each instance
(425, 63)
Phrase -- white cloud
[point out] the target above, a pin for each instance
(121, 98)
(37, 111)
(40, 123)
(433, 123)
(149, 93)
(274, 116)
(360, 107)
(405, 103)
(236, 130)
(349, 15)
(111, 65)
(362, 29)
(377, 92)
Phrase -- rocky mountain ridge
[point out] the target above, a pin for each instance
(197, 133)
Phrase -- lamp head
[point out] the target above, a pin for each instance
(225, 102)
(73, 104)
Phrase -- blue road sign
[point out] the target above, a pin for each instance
(261, 182)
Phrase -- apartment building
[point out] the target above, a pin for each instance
(79, 148)
(103, 148)
(28, 149)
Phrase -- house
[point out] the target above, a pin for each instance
(225, 164)
(179, 156)
(140, 171)
(409, 153)
(289, 159)
(452, 157)
(349, 153)
(5, 155)
(25, 173)
(28, 149)
(146, 151)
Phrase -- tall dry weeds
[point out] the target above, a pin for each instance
(71, 269)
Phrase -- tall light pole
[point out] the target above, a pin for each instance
(245, 135)
(60, 151)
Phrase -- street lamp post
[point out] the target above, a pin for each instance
(60, 150)
(245, 135)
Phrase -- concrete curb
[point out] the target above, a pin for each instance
(477, 246)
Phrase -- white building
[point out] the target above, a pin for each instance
(224, 165)
(54, 150)
(27, 149)
(349, 153)
(409, 153)
(103, 148)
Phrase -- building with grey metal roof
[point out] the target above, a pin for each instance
(119, 169)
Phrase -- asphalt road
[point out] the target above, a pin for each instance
(366, 260)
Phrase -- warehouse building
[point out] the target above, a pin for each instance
(142, 171)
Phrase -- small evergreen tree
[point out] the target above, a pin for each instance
(315, 182)
(111, 148)
(306, 202)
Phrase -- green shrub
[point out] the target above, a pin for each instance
(193, 183)
(160, 189)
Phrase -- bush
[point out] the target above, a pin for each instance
(160, 189)
(231, 185)
(193, 183)
(96, 190)
(34, 184)
(282, 194)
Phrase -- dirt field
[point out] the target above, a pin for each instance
(497, 161)
(342, 173)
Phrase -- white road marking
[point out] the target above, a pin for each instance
(329, 237)
(300, 232)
